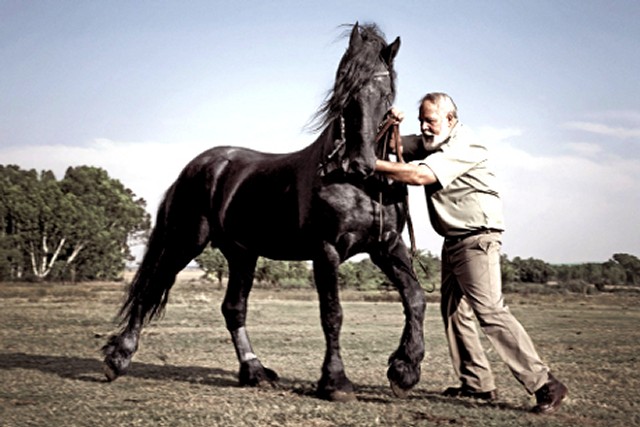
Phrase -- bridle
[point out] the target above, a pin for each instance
(387, 130)
(339, 143)
(338, 148)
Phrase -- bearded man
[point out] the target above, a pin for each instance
(465, 208)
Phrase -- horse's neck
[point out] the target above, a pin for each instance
(320, 151)
(309, 161)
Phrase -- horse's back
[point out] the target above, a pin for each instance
(258, 200)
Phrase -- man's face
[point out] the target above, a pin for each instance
(435, 124)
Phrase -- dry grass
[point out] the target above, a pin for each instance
(185, 371)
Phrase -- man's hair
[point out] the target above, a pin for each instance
(442, 100)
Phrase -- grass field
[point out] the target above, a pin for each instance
(185, 371)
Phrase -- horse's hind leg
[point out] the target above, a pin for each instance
(119, 350)
(234, 309)
(404, 364)
(169, 251)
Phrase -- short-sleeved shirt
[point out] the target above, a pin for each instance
(466, 198)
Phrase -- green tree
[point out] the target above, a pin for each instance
(347, 275)
(79, 227)
(532, 270)
(213, 263)
(361, 275)
(31, 201)
(508, 271)
(427, 266)
(614, 273)
(631, 266)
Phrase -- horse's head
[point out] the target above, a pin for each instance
(363, 92)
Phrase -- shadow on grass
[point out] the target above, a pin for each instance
(90, 370)
(383, 394)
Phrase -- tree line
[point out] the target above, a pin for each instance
(358, 275)
(82, 227)
(621, 270)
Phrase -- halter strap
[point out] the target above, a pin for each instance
(382, 74)
(338, 146)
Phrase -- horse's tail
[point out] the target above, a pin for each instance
(180, 234)
(148, 292)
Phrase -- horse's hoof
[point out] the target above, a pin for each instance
(255, 375)
(109, 372)
(398, 391)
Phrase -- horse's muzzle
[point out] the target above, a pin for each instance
(360, 169)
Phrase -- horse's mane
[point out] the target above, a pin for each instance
(356, 67)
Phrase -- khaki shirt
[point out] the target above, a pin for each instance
(467, 197)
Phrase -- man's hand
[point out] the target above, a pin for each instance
(396, 114)
(395, 144)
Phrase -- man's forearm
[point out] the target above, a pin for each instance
(406, 172)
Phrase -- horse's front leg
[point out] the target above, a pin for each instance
(234, 309)
(404, 364)
(334, 384)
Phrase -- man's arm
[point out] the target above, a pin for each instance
(411, 147)
(408, 173)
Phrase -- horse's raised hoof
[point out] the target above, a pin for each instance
(402, 377)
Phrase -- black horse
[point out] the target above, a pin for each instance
(323, 203)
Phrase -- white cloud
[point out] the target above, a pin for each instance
(146, 168)
(494, 134)
(577, 207)
(603, 129)
(585, 148)
(571, 208)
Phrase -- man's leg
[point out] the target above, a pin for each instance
(467, 355)
(478, 272)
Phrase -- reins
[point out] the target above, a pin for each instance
(390, 130)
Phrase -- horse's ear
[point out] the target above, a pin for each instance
(355, 40)
(390, 52)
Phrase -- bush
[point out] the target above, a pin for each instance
(295, 283)
(578, 287)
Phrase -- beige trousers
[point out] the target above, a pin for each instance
(472, 286)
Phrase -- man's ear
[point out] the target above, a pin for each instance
(451, 117)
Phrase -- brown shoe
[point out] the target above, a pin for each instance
(468, 392)
(549, 396)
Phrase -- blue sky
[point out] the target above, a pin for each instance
(140, 88)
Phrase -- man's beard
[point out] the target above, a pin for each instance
(433, 142)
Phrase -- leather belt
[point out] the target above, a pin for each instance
(457, 239)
